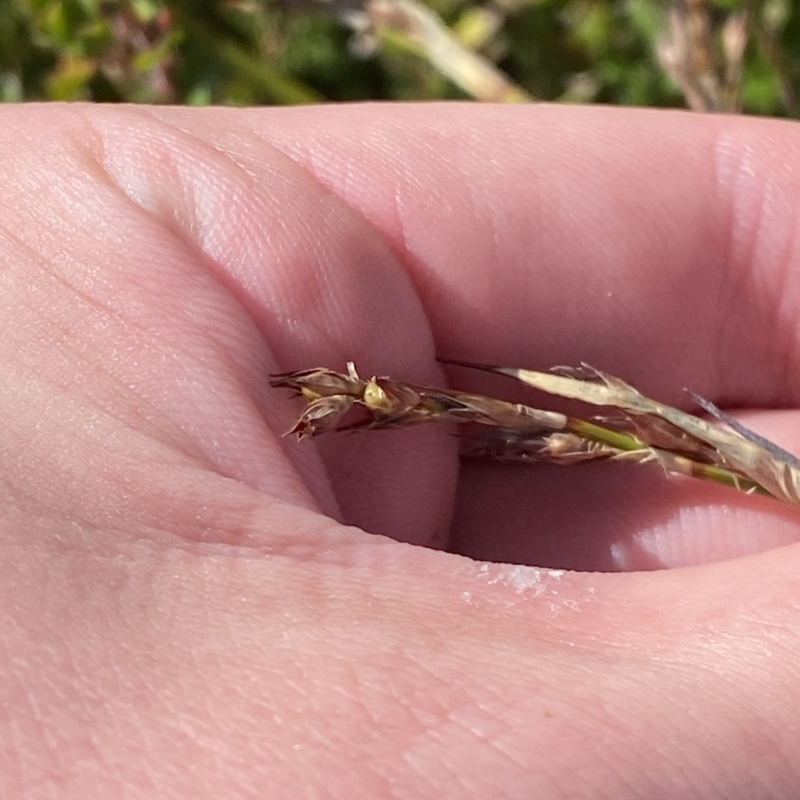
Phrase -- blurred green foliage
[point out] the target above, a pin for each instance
(248, 52)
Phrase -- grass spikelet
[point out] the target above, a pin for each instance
(640, 431)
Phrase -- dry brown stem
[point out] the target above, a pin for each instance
(642, 430)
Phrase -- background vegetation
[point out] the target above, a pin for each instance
(727, 55)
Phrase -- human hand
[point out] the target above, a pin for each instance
(184, 612)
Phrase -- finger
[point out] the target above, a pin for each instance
(194, 276)
(655, 246)
(635, 239)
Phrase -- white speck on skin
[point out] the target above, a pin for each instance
(525, 583)
(519, 577)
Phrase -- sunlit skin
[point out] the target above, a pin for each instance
(194, 605)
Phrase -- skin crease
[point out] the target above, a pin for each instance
(193, 606)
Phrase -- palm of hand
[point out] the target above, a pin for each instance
(179, 588)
